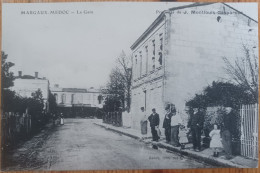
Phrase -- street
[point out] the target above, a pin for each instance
(81, 145)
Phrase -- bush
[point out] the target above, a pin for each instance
(221, 94)
(221, 100)
(214, 115)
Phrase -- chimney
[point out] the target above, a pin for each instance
(19, 74)
(36, 75)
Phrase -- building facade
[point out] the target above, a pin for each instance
(78, 97)
(25, 85)
(182, 52)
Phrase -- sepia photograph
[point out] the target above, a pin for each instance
(129, 85)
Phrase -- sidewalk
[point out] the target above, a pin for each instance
(205, 155)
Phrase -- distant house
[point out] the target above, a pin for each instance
(70, 100)
(25, 85)
(68, 97)
(181, 53)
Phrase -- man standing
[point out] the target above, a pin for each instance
(154, 124)
(167, 123)
(175, 125)
(195, 123)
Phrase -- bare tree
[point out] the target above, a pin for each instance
(119, 84)
(125, 68)
(244, 71)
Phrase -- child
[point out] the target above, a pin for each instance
(183, 136)
(215, 142)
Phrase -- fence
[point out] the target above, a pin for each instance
(15, 127)
(114, 118)
(249, 130)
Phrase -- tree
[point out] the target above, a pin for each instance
(125, 69)
(52, 103)
(7, 76)
(36, 103)
(221, 94)
(119, 84)
(8, 97)
(115, 91)
(244, 71)
(8, 100)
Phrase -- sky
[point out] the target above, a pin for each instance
(76, 49)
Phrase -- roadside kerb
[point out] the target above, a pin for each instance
(195, 155)
(118, 131)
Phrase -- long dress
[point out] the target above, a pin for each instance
(183, 136)
(215, 139)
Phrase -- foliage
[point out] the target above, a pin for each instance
(52, 103)
(221, 94)
(125, 67)
(35, 104)
(112, 103)
(15, 103)
(9, 100)
(7, 76)
(215, 99)
(115, 91)
(214, 115)
(244, 71)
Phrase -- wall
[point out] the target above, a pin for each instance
(25, 87)
(147, 83)
(85, 99)
(197, 47)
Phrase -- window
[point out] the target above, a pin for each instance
(146, 58)
(63, 98)
(56, 97)
(153, 66)
(100, 98)
(160, 58)
(153, 47)
(141, 61)
(153, 58)
(72, 98)
(161, 44)
(135, 68)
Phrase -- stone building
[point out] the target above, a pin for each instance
(25, 85)
(67, 97)
(182, 52)
(77, 100)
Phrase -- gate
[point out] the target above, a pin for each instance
(249, 130)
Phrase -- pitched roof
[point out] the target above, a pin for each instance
(160, 18)
(77, 90)
(28, 77)
(80, 90)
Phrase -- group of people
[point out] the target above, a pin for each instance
(177, 134)
(57, 119)
(172, 123)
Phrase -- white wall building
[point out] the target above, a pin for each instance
(68, 97)
(25, 85)
(182, 52)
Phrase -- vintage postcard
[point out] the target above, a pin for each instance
(129, 85)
